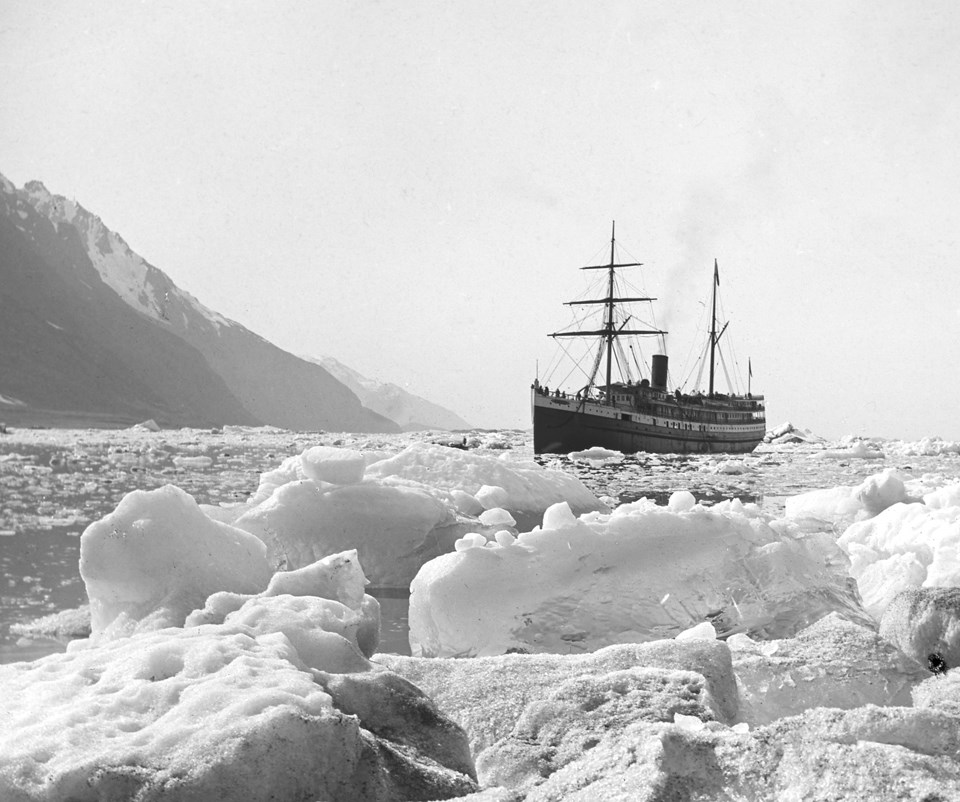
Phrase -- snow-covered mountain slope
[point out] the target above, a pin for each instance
(409, 411)
(88, 326)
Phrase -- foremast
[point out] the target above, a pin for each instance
(609, 333)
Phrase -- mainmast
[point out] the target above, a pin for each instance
(714, 335)
(713, 322)
(609, 332)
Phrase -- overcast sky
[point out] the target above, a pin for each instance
(410, 186)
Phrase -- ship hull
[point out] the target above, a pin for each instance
(561, 426)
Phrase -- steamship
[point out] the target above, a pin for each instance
(637, 413)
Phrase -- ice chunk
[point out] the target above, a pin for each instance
(339, 466)
(497, 516)
(505, 538)
(492, 497)
(231, 711)
(486, 695)
(854, 449)
(924, 623)
(681, 501)
(581, 713)
(841, 506)
(465, 503)
(603, 734)
(788, 433)
(394, 529)
(834, 663)
(939, 692)
(596, 455)
(473, 540)
(906, 545)
(530, 488)
(581, 583)
(702, 631)
(193, 462)
(157, 554)
(559, 516)
(338, 578)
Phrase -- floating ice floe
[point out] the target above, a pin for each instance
(840, 506)
(640, 573)
(787, 433)
(925, 447)
(596, 455)
(854, 449)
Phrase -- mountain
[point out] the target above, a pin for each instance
(410, 411)
(92, 333)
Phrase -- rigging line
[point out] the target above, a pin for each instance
(636, 362)
(702, 361)
(726, 373)
(577, 362)
(693, 343)
(623, 363)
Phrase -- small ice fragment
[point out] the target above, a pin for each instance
(505, 538)
(681, 501)
(742, 727)
(470, 541)
(702, 631)
(689, 723)
(559, 516)
(491, 496)
(497, 517)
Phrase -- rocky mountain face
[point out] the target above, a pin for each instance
(90, 331)
(410, 411)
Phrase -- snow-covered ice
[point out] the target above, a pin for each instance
(275, 702)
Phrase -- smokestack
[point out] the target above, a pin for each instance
(658, 372)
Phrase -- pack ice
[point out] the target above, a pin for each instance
(596, 670)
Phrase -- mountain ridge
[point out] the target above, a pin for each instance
(90, 329)
(411, 412)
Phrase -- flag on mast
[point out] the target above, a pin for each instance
(716, 272)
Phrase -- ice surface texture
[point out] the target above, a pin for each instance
(820, 716)
(239, 710)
